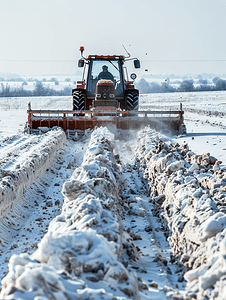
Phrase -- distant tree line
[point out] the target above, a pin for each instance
(39, 90)
(184, 86)
(143, 86)
(19, 79)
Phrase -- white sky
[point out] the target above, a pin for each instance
(40, 37)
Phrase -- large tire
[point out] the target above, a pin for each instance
(79, 100)
(132, 100)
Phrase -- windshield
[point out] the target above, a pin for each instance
(99, 67)
(104, 69)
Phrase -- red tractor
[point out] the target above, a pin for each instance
(104, 79)
(103, 97)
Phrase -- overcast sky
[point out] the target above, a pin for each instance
(40, 37)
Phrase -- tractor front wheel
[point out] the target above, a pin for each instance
(132, 100)
(79, 99)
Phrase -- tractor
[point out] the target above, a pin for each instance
(105, 96)
(105, 78)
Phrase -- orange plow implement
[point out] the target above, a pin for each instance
(89, 119)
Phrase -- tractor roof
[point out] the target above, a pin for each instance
(106, 57)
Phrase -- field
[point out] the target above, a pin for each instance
(115, 215)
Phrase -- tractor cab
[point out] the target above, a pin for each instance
(105, 67)
(99, 69)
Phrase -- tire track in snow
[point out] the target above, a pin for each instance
(159, 240)
(154, 268)
(156, 274)
(28, 221)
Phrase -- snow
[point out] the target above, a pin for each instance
(18, 173)
(193, 217)
(84, 253)
(106, 234)
(13, 113)
(28, 221)
(195, 274)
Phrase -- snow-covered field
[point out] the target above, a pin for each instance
(123, 195)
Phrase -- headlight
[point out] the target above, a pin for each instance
(133, 76)
(98, 95)
(111, 95)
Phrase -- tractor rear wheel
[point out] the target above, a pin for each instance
(79, 99)
(132, 100)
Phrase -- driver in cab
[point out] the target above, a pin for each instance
(105, 74)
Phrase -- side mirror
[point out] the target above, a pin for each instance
(136, 64)
(81, 63)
